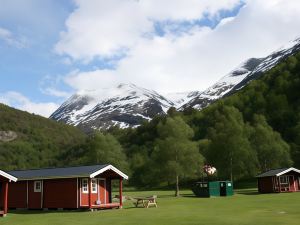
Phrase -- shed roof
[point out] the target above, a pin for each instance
(278, 172)
(65, 172)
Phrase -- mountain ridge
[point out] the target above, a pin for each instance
(125, 105)
(128, 105)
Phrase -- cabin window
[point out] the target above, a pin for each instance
(84, 186)
(94, 186)
(37, 186)
(284, 180)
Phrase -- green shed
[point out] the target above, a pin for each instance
(213, 188)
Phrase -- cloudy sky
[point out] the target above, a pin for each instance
(51, 49)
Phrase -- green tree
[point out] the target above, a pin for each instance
(295, 146)
(230, 151)
(175, 154)
(105, 149)
(272, 151)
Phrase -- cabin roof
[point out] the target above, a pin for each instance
(8, 176)
(65, 172)
(278, 172)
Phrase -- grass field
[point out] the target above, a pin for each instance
(245, 207)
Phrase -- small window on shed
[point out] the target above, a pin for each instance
(84, 185)
(94, 186)
(37, 186)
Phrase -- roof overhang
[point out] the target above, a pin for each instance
(8, 176)
(288, 170)
(109, 167)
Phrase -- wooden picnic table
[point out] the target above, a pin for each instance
(145, 202)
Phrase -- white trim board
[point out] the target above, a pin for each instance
(8, 176)
(288, 170)
(109, 167)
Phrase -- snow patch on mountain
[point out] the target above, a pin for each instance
(125, 105)
(181, 98)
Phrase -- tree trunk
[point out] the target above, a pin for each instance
(231, 176)
(177, 187)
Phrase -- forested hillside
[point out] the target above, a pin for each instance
(276, 100)
(31, 141)
(253, 130)
(256, 129)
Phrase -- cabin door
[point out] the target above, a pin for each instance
(222, 188)
(102, 191)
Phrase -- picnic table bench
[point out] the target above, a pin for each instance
(145, 202)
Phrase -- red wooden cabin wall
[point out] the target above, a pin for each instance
(60, 193)
(103, 192)
(17, 194)
(57, 193)
(34, 198)
(265, 185)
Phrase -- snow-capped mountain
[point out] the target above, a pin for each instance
(249, 70)
(126, 105)
(223, 86)
(181, 98)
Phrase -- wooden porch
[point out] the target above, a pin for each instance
(115, 205)
(285, 183)
(107, 204)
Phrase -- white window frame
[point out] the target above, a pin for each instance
(284, 179)
(85, 186)
(94, 185)
(35, 186)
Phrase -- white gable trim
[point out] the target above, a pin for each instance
(109, 167)
(8, 176)
(288, 170)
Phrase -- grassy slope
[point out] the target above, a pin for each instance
(246, 207)
(40, 140)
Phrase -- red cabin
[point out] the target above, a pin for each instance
(279, 180)
(83, 187)
(5, 179)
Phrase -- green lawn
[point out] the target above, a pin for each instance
(245, 207)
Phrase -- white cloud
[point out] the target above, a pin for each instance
(55, 92)
(191, 61)
(8, 37)
(48, 85)
(101, 28)
(184, 10)
(17, 100)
